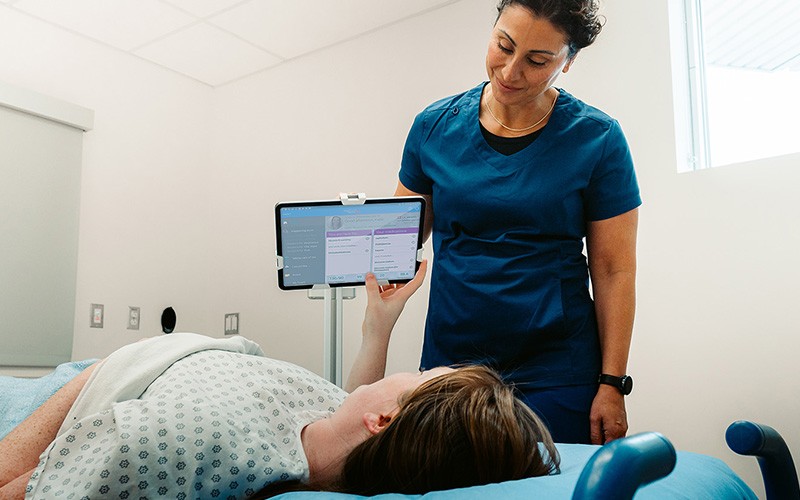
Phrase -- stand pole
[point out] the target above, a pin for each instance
(332, 333)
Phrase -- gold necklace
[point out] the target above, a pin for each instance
(489, 108)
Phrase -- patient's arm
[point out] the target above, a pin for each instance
(383, 309)
(15, 490)
(20, 449)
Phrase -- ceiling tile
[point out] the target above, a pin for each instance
(289, 29)
(208, 54)
(203, 8)
(125, 24)
(220, 41)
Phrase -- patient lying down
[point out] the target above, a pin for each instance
(188, 416)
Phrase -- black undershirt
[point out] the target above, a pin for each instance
(509, 145)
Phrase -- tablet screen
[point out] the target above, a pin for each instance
(328, 243)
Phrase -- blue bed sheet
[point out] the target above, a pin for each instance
(695, 477)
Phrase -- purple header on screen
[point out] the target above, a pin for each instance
(397, 230)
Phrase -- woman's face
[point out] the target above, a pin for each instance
(526, 54)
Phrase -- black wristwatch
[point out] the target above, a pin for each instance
(624, 384)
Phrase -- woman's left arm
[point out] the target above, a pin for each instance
(611, 248)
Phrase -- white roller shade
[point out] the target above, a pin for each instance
(40, 169)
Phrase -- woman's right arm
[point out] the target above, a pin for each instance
(404, 191)
(383, 309)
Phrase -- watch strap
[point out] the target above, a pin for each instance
(624, 384)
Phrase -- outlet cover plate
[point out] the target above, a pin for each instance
(134, 317)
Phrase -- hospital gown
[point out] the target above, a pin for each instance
(215, 424)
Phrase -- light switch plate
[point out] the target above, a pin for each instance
(96, 318)
(232, 324)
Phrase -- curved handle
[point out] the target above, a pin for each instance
(765, 443)
(619, 468)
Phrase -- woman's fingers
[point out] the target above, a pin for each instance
(373, 290)
(401, 290)
(413, 285)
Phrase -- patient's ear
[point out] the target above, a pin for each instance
(376, 422)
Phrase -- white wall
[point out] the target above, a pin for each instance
(145, 185)
(180, 183)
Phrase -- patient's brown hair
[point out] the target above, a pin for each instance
(460, 429)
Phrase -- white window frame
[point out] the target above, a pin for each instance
(691, 113)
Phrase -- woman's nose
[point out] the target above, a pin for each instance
(512, 70)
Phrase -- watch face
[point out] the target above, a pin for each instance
(626, 385)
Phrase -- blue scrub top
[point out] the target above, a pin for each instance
(510, 282)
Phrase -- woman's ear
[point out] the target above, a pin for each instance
(569, 63)
(375, 422)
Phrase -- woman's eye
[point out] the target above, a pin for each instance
(536, 63)
(504, 48)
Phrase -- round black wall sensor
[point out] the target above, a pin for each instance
(168, 320)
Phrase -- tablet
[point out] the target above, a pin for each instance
(336, 243)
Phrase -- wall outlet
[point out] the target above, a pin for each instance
(232, 324)
(96, 318)
(133, 318)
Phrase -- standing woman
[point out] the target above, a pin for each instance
(516, 174)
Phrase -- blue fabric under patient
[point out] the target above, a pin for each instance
(695, 476)
(19, 397)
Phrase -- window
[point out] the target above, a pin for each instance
(741, 93)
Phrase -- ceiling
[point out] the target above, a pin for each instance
(221, 41)
(753, 34)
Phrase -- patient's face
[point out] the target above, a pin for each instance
(383, 396)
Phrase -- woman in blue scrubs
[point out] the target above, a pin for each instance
(517, 173)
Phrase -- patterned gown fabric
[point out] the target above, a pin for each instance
(215, 424)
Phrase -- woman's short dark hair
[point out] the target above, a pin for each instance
(460, 429)
(578, 19)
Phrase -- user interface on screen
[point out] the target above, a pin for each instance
(327, 242)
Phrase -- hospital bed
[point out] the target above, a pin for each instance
(646, 465)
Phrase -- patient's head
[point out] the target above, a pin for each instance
(459, 429)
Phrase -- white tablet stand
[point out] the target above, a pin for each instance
(332, 329)
(334, 298)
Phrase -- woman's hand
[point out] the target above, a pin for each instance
(608, 418)
(384, 305)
